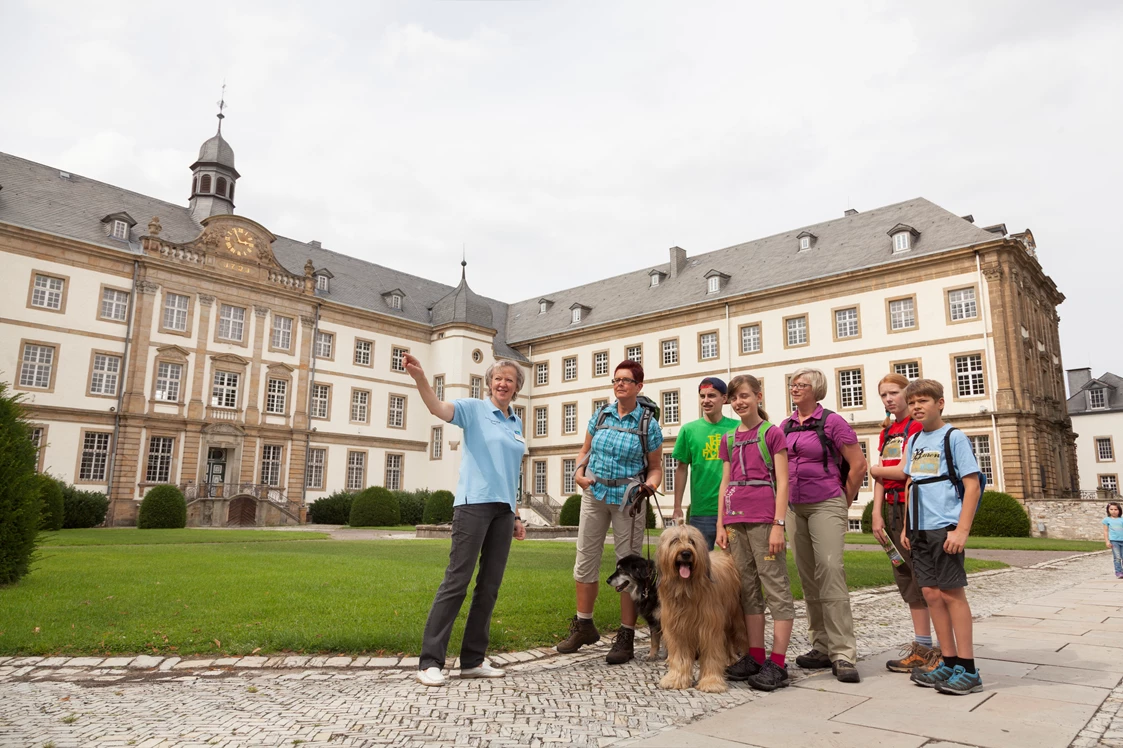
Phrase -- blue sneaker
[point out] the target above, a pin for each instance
(961, 682)
(930, 678)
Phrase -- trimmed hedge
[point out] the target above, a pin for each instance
(334, 509)
(1000, 515)
(571, 511)
(438, 509)
(162, 508)
(53, 509)
(19, 491)
(412, 504)
(83, 509)
(867, 516)
(375, 507)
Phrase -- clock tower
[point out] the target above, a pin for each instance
(213, 176)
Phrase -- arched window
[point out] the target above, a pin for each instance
(232, 191)
(205, 184)
(194, 186)
(220, 186)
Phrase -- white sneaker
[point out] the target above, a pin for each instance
(485, 670)
(431, 677)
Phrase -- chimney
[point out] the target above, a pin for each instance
(315, 243)
(850, 212)
(1077, 378)
(678, 261)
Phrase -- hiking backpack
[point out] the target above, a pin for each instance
(820, 428)
(649, 411)
(952, 476)
(765, 454)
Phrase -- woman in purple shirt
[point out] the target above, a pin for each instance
(818, 441)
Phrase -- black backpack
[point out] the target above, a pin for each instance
(952, 475)
(792, 427)
(904, 434)
(650, 410)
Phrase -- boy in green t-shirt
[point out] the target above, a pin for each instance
(696, 449)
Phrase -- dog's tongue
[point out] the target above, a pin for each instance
(684, 572)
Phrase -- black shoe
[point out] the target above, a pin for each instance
(623, 647)
(770, 677)
(743, 669)
(845, 672)
(814, 660)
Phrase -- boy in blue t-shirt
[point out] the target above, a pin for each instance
(938, 518)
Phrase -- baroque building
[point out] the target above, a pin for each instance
(162, 343)
(1095, 405)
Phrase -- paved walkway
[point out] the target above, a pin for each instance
(1047, 653)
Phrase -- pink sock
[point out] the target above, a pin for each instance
(757, 653)
(778, 658)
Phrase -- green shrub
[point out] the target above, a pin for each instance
(412, 504)
(334, 509)
(20, 507)
(867, 516)
(651, 517)
(375, 507)
(1000, 515)
(83, 509)
(163, 507)
(438, 509)
(571, 511)
(54, 511)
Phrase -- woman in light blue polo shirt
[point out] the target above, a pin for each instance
(483, 520)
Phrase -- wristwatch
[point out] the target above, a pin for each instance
(778, 522)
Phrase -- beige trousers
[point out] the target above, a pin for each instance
(818, 532)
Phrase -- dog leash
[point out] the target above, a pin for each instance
(635, 495)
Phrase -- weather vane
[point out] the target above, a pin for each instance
(221, 106)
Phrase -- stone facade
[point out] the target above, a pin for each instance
(1071, 519)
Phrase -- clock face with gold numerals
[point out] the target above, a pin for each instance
(240, 242)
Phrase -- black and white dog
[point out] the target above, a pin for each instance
(636, 576)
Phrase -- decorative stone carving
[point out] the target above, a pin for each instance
(307, 320)
(308, 269)
(992, 273)
(211, 239)
(206, 299)
(154, 227)
(147, 286)
(261, 311)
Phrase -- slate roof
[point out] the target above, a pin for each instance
(1113, 395)
(462, 305)
(216, 151)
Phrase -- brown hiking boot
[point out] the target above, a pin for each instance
(581, 632)
(913, 655)
(623, 647)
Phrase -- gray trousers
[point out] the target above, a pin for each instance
(478, 530)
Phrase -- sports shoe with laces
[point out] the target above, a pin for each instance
(770, 677)
(582, 631)
(845, 672)
(431, 676)
(961, 682)
(912, 655)
(623, 647)
(483, 670)
(742, 669)
(814, 660)
(929, 678)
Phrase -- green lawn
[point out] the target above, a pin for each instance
(239, 597)
(1005, 544)
(129, 536)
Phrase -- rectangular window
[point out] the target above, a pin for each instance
(37, 435)
(314, 478)
(1096, 399)
(569, 369)
(540, 477)
(1105, 450)
(396, 413)
(713, 284)
(271, 464)
(106, 371)
(160, 449)
(541, 373)
(981, 446)
(796, 331)
(224, 393)
(969, 380)
(541, 422)
(476, 389)
(436, 444)
(569, 470)
(114, 304)
(900, 241)
(600, 364)
(670, 408)
(669, 465)
(276, 395)
(120, 230)
(1109, 483)
(439, 387)
(961, 304)
(569, 418)
(231, 322)
(168, 378)
(397, 358)
(670, 352)
(850, 389)
(360, 406)
(846, 323)
(35, 368)
(362, 352)
(356, 470)
(576, 315)
(902, 314)
(750, 339)
(46, 292)
(707, 346)
(866, 475)
(175, 312)
(598, 404)
(853, 525)
(282, 333)
(393, 480)
(321, 283)
(520, 413)
(321, 396)
(325, 341)
(95, 456)
(908, 369)
(634, 353)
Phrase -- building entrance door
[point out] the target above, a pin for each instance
(216, 471)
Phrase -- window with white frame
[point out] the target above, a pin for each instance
(707, 345)
(654, 280)
(750, 339)
(160, 451)
(321, 395)
(168, 378)
(804, 243)
(362, 352)
(224, 392)
(900, 241)
(1105, 450)
(106, 371)
(439, 386)
(569, 418)
(796, 329)
(569, 368)
(95, 456)
(393, 480)
(569, 469)
(395, 301)
(356, 469)
(713, 284)
(600, 364)
(231, 322)
(541, 422)
(271, 464)
(1096, 399)
(669, 465)
(853, 525)
(325, 341)
(282, 333)
(576, 314)
(520, 413)
(114, 304)
(846, 323)
(120, 230)
(670, 352)
(542, 306)
(360, 406)
(961, 304)
(634, 353)
(850, 388)
(37, 437)
(969, 380)
(541, 373)
(436, 443)
(314, 477)
(902, 314)
(866, 474)
(540, 477)
(175, 312)
(476, 388)
(321, 282)
(981, 446)
(1109, 483)
(908, 369)
(397, 358)
(276, 396)
(598, 404)
(670, 408)
(396, 418)
(46, 292)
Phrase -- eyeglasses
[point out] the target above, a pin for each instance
(623, 380)
(800, 386)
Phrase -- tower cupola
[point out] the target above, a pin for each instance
(213, 176)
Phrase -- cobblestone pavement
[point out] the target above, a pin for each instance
(573, 700)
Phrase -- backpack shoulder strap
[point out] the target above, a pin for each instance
(601, 415)
(644, 424)
(821, 430)
(765, 452)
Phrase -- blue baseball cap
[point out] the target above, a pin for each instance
(714, 383)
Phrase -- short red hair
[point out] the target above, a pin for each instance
(632, 366)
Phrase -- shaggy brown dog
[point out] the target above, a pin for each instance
(700, 596)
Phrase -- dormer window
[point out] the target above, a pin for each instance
(393, 298)
(118, 225)
(1096, 399)
(903, 237)
(577, 313)
(715, 280)
(805, 242)
(654, 280)
(120, 230)
(806, 239)
(395, 301)
(322, 283)
(901, 242)
(544, 305)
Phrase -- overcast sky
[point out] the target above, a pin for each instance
(567, 141)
